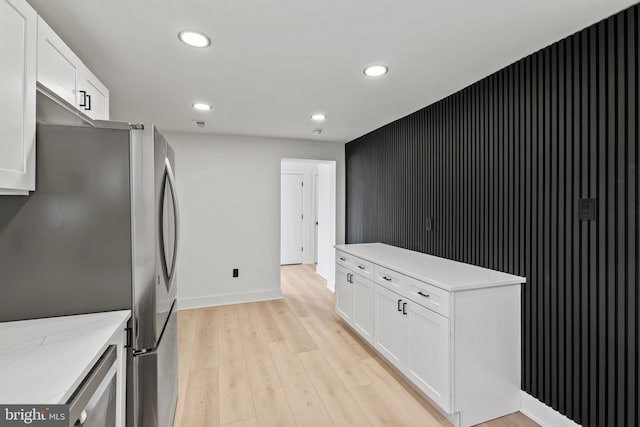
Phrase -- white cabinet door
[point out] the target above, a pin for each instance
(58, 66)
(18, 23)
(344, 294)
(391, 336)
(429, 364)
(93, 96)
(363, 294)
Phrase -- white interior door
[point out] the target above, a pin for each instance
(315, 218)
(291, 219)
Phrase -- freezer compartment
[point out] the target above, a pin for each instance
(155, 380)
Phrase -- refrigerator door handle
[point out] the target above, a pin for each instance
(176, 216)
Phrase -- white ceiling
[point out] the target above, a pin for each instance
(273, 63)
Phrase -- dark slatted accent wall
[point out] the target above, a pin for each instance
(500, 166)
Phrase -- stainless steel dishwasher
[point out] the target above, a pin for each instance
(94, 402)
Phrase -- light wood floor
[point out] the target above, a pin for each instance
(291, 363)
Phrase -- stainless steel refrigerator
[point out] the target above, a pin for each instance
(100, 233)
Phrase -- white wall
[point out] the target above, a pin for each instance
(327, 203)
(308, 170)
(229, 194)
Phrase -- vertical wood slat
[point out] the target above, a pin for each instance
(500, 166)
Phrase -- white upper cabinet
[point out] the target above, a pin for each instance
(18, 23)
(63, 73)
(57, 64)
(93, 96)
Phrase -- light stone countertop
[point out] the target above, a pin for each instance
(42, 361)
(444, 273)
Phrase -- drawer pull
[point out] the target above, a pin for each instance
(386, 278)
(361, 267)
(404, 308)
(83, 103)
(423, 295)
(399, 301)
(342, 259)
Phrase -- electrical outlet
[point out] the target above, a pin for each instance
(587, 209)
(428, 223)
(235, 272)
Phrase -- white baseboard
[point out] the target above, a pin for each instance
(331, 286)
(544, 415)
(216, 300)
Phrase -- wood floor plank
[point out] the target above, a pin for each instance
(272, 408)
(236, 399)
(244, 423)
(269, 326)
(205, 342)
(187, 321)
(201, 405)
(243, 311)
(262, 372)
(343, 359)
(402, 397)
(342, 407)
(228, 316)
(378, 410)
(514, 420)
(305, 404)
(291, 329)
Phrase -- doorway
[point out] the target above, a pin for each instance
(308, 206)
(291, 218)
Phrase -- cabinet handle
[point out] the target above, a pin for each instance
(361, 267)
(423, 295)
(404, 308)
(399, 301)
(84, 99)
(386, 278)
(88, 107)
(342, 259)
(348, 277)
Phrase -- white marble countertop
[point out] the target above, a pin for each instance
(444, 273)
(42, 361)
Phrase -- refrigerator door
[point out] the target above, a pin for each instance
(144, 225)
(155, 220)
(155, 379)
(167, 219)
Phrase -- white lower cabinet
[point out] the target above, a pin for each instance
(391, 335)
(452, 329)
(429, 359)
(355, 296)
(363, 306)
(344, 294)
(416, 341)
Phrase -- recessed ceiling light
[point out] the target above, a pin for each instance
(194, 39)
(318, 117)
(202, 106)
(376, 70)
